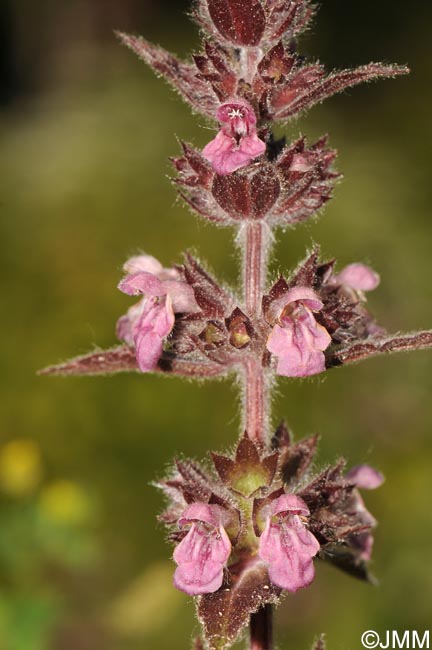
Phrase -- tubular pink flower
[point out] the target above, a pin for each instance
(297, 339)
(149, 322)
(237, 142)
(365, 477)
(202, 555)
(287, 546)
(357, 276)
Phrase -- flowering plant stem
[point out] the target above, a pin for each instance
(256, 404)
(256, 389)
(261, 629)
(254, 266)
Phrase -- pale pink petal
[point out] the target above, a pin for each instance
(201, 556)
(224, 155)
(294, 573)
(359, 277)
(305, 295)
(288, 547)
(289, 503)
(126, 324)
(182, 296)
(222, 548)
(300, 538)
(220, 144)
(321, 337)
(142, 283)
(163, 320)
(270, 543)
(299, 346)
(200, 512)
(230, 161)
(251, 146)
(148, 350)
(156, 322)
(124, 329)
(150, 264)
(147, 323)
(280, 340)
(196, 579)
(198, 571)
(365, 477)
(146, 263)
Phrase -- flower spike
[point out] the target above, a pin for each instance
(250, 525)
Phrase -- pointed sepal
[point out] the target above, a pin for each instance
(295, 459)
(287, 19)
(310, 85)
(307, 179)
(214, 300)
(348, 560)
(183, 77)
(247, 472)
(282, 437)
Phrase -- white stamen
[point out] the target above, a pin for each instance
(235, 112)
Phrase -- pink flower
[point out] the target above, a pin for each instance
(297, 339)
(365, 478)
(357, 276)
(237, 142)
(147, 323)
(287, 546)
(202, 555)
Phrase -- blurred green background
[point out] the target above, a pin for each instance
(86, 131)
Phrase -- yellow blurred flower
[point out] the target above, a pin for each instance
(147, 604)
(20, 467)
(64, 502)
